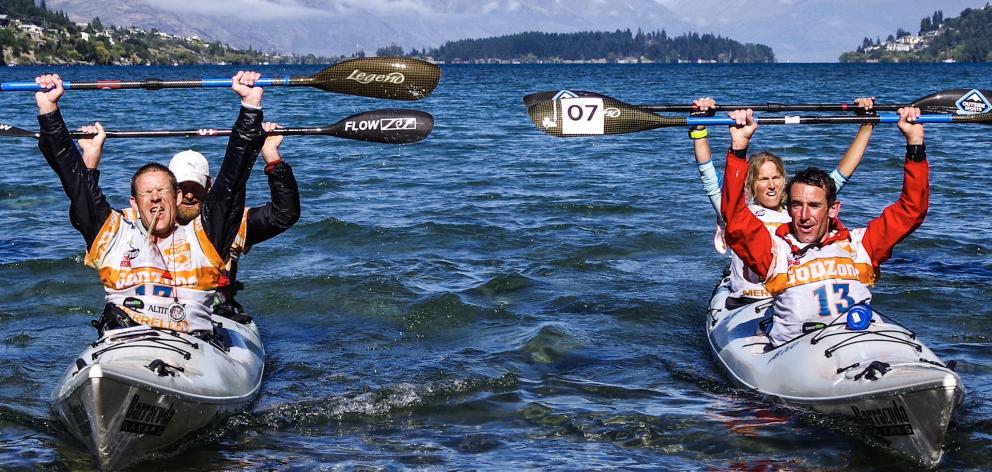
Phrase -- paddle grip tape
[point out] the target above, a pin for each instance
(916, 152)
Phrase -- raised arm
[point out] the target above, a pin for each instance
(223, 208)
(856, 151)
(88, 208)
(745, 233)
(703, 155)
(283, 211)
(905, 215)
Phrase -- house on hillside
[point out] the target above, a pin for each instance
(105, 34)
(33, 30)
(4, 21)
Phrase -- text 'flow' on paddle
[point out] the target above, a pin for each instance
(568, 114)
(396, 78)
(389, 126)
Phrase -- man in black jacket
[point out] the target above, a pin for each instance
(192, 171)
(154, 270)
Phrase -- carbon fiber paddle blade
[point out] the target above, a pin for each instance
(390, 126)
(538, 97)
(395, 78)
(567, 114)
(957, 102)
(979, 118)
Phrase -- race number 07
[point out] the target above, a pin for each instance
(583, 115)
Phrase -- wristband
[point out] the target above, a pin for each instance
(272, 165)
(916, 152)
(698, 133)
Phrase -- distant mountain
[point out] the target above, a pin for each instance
(31, 34)
(331, 27)
(798, 30)
(965, 38)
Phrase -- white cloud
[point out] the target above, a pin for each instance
(287, 9)
(490, 7)
(245, 9)
(386, 6)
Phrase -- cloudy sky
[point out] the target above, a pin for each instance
(798, 30)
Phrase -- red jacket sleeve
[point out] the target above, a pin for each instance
(902, 217)
(745, 233)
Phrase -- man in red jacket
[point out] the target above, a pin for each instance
(814, 267)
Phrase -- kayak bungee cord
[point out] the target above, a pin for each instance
(157, 343)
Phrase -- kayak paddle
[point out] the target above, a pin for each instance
(390, 126)
(569, 115)
(397, 78)
(954, 101)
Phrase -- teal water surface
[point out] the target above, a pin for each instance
(494, 298)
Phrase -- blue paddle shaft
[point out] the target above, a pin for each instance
(149, 84)
(882, 118)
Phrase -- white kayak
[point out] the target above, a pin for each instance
(881, 377)
(137, 390)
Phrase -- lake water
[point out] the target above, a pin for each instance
(494, 298)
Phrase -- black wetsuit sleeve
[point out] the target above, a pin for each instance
(224, 206)
(94, 183)
(281, 213)
(88, 207)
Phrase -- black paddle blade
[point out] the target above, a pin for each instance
(396, 78)
(957, 102)
(390, 126)
(568, 114)
(15, 132)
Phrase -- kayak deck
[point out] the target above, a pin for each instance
(882, 377)
(138, 390)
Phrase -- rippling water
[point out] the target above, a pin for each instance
(493, 297)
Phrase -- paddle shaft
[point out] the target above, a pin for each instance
(395, 78)
(960, 101)
(389, 126)
(771, 107)
(155, 84)
(200, 133)
(824, 120)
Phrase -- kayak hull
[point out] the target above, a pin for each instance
(881, 378)
(137, 391)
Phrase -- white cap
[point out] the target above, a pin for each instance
(190, 166)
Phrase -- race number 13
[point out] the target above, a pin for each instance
(582, 115)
